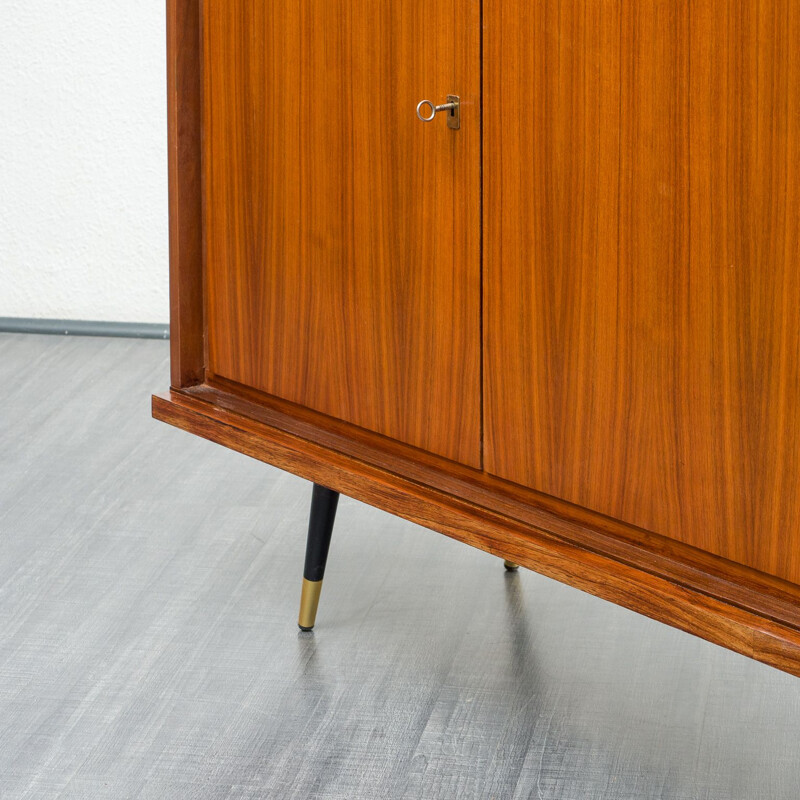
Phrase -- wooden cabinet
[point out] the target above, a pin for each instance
(567, 332)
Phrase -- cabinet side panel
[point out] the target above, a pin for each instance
(642, 298)
(185, 204)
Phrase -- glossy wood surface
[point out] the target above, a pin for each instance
(642, 290)
(343, 234)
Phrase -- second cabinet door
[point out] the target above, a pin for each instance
(642, 287)
(343, 234)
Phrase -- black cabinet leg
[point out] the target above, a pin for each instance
(320, 528)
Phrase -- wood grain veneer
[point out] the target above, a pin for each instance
(343, 234)
(642, 290)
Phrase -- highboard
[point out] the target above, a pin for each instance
(527, 274)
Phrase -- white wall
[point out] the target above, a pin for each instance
(83, 186)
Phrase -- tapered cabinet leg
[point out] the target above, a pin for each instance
(320, 528)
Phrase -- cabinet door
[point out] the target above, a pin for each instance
(642, 286)
(342, 233)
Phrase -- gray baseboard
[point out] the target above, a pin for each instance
(78, 327)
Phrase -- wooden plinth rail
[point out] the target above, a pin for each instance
(725, 603)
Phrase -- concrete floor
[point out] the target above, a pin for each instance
(148, 649)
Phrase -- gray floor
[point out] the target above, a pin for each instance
(148, 593)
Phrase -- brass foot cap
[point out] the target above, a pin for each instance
(309, 601)
(510, 565)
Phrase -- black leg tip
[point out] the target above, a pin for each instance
(302, 628)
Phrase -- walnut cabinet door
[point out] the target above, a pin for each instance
(642, 265)
(342, 233)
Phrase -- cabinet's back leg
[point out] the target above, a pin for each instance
(320, 528)
(510, 565)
